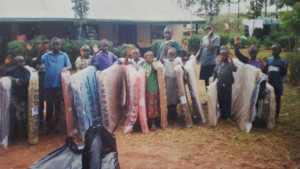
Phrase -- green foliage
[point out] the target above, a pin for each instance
(122, 50)
(256, 8)
(155, 46)
(294, 60)
(15, 48)
(225, 39)
(35, 46)
(80, 8)
(247, 42)
(276, 37)
(291, 20)
(194, 42)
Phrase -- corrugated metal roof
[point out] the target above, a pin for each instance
(126, 11)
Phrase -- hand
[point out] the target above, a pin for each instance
(154, 60)
(237, 40)
(210, 32)
(95, 49)
(81, 52)
(167, 46)
(129, 52)
(28, 46)
(64, 69)
(8, 60)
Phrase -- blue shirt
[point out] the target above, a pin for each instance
(53, 67)
(208, 57)
(103, 61)
(275, 69)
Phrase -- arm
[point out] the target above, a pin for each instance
(240, 56)
(129, 51)
(285, 70)
(265, 70)
(152, 68)
(68, 65)
(215, 73)
(213, 44)
(24, 80)
(233, 67)
(116, 59)
(162, 54)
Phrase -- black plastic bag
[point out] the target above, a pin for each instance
(99, 152)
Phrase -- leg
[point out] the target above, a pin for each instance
(172, 112)
(57, 105)
(278, 105)
(49, 112)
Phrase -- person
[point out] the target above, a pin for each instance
(276, 69)
(253, 51)
(19, 76)
(208, 52)
(84, 60)
(136, 61)
(170, 81)
(152, 93)
(223, 72)
(43, 48)
(104, 58)
(55, 62)
(185, 50)
(21, 36)
(168, 33)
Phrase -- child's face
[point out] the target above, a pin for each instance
(224, 55)
(135, 54)
(172, 55)
(275, 51)
(20, 62)
(168, 34)
(253, 54)
(105, 47)
(86, 52)
(55, 45)
(149, 58)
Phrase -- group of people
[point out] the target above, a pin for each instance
(55, 61)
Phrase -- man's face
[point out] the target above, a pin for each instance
(105, 47)
(168, 33)
(20, 62)
(135, 54)
(56, 45)
(172, 55)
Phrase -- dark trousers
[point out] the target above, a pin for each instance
(49, 112)
(172, 112)
(224, 99)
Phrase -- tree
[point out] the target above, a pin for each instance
(80, 8)
(291, 20)
(212, 7)
(255, 8)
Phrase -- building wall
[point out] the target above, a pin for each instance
(177, 32)
(106, 31)
(143, 36)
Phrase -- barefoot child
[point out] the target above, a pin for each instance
(170, 80)
(84, 60)
(276, 68)
(223, 72)
(152, 94)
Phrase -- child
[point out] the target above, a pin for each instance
(223, 71)
(20, 80)
(84, 60)
(152, 94)
(168, 33)
(170, 80)
(137, 61)
(276, 68)
(104, 58)
(55, 63)
(253, 51)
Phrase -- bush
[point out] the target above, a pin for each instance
(15, 48)
(194, 43)
(276, 37)
(224, 39)
(294, 60)
(35, 46)
(122, 50)
(155, 46)
(247, 42)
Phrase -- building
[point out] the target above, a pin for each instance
(138, 22)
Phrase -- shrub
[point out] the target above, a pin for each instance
(155, 46)
(35, 46)
(194, 43)
(276, 37)
(15, 48)
(294, 60)
(224, 39)
(122, 50)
